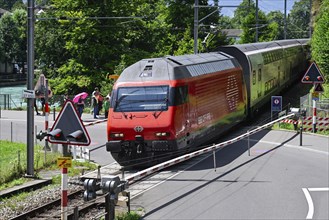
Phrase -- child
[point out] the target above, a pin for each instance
(107, 106)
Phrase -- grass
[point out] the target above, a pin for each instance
(13, 163)
(13, 160)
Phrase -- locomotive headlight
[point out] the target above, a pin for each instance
(162, 134)
(117, 135)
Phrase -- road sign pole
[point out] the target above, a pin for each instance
(47, 148)
(314, 116)
(64, 194)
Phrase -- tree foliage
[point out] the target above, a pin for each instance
(320, 39)
(8, 40)
(299, 20)
(266, 32)
(79, 43)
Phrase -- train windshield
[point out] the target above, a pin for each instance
(135, 99)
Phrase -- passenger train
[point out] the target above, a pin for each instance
(164, 107)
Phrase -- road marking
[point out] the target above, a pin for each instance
(309, 199)
(318, 189)
(310, 203)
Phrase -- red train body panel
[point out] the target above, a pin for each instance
(175, 115)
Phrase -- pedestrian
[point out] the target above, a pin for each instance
(106, 106)
(100, 103)
(94, 102)
(36, 107)
(80, 106)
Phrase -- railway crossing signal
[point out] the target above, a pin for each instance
(68, 128)
(318, 88)
(313, 75)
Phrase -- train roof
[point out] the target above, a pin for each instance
(177, 67)
(267, 45)
(198, 58)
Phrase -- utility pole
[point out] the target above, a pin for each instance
(256, 37)
(285, 20)
(196, 25)
(30, 101)
(310, 30)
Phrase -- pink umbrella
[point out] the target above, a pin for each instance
(83, 95)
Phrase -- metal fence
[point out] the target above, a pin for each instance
(322, 106)
(7, 102)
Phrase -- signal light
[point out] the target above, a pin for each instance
(56, 134)
(90, 187)
(76, 136)
(307, 78)
(319, 78)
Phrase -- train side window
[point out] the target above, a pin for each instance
(180, 95)
(254, 77)
(279, 73)
(259, 73)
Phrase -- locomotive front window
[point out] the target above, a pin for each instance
(148, 98)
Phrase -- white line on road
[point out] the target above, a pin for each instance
(318, 189)
(310, 203)
(309, 199)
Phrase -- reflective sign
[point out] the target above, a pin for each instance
(276, 103)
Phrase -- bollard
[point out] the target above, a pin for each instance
(248, 143)
(214, 155)
(11, 131)
(301, 134)
(54, 113)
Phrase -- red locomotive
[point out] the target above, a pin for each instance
(164, 107)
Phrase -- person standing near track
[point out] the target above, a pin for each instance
(94, 102)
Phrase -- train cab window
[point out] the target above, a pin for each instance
(146, 98)
(254, 77)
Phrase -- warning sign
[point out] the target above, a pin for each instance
(318, 88)
(64, 162)
(313, 75)
(40, 88)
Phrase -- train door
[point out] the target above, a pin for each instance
(187, 116)
(182, 116)
(259, 81)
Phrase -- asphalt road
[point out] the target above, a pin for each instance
(279, 180)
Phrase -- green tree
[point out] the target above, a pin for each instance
(276, 18)
(8, 39)
(8, 4)
(266, 31)
(245, 8)
(320, 39)
(299, 20)
(19, 52)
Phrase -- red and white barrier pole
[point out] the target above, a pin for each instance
(314, 116)
(47, 110)
(64, 194)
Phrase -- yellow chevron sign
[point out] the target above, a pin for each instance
(64, 162)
